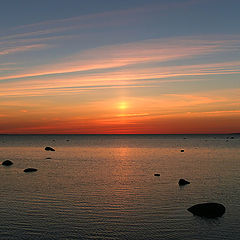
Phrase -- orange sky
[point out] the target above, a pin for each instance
(211, 112)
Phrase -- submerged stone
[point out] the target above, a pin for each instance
(49, 149)
(30, 170)
(209, 210)
(7, 163)
(182, 182)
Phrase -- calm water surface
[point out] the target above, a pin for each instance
(102, 186)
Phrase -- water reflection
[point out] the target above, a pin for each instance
(104, 187)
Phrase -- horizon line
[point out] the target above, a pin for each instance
(120, 133)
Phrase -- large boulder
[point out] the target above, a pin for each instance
(49, 149)
(183, 182)
(30, 170)
(7, 163)
(209, 210)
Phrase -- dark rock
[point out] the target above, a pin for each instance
(157, 174)
(67, 140)
(182, 150)
(30, 170)
(209, 210)
(182, 182)
(7, 163)
(48, 158)
(49, 149)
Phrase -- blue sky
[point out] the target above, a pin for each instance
(169, 18)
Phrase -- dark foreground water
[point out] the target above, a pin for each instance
(102, 186)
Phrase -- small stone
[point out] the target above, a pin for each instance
(7, 163)
(157, 174)
(49, 149)
(183, 182)
(30, 170)
(182, 150)
(208, 210)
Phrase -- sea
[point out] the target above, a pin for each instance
(103, 186)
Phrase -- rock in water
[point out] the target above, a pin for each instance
(157, 174)
(30, 170)
(209, 210)
(49, 149)
(182, 182)
(7, 163)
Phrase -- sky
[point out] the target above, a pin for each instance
(119, 67)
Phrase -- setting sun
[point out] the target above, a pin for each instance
(123, 105)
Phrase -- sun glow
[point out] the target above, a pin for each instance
(123, 105)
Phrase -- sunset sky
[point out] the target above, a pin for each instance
(129, 66)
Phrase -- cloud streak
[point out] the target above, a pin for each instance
(127, 55)
(135, 77)
(22, 49)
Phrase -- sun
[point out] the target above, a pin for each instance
(122, 105)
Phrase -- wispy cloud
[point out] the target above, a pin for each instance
(132, 114)
(126, 78)
(18, 41)
(62, 28)
(125, 55)
(22, 49)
